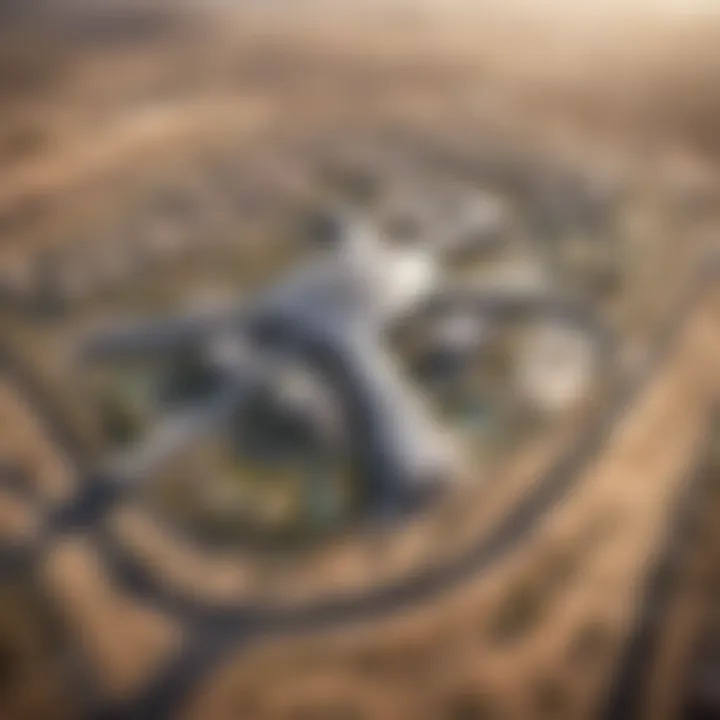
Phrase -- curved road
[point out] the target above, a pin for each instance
(214, 631)
(627, 693)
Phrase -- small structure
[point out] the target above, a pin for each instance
(555, 367)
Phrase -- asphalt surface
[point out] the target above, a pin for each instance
(633, 674)
(215, 631)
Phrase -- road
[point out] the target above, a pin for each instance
(214, 631)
